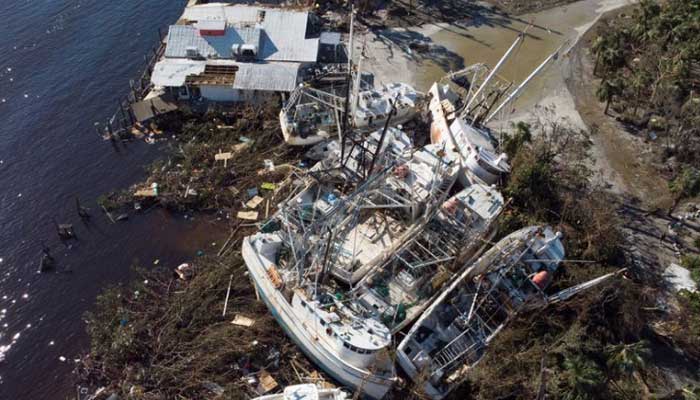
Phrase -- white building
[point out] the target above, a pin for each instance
(224, 52)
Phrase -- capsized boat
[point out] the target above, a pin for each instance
(306, 392)
(473, 147)
(403, 287)
(454, 333)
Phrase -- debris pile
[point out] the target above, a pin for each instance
(171, 336)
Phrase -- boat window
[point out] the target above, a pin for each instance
(303, 303)
(323, 322)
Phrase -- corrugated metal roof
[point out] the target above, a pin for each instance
(277, 77)
(283, 36)
(173, 72)
(211, 25)
(182, 37)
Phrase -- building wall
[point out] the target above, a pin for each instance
(220, 93)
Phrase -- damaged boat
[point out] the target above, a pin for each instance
(403, 287)
(313, 115)
(306, 392)
(453, 335)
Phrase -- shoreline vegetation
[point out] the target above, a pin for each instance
(164, 337)
(648, 65)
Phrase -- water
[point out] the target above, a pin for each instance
(488, 42)
(64, 65)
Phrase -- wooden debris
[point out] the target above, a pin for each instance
(248, 215)
(145, 193)
(237, 148)
(223, 157)
(254, 202)
(240, 320)
(267, 383)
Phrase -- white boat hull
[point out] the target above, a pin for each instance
(371, 385)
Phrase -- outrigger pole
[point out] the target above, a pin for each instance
(527, 80)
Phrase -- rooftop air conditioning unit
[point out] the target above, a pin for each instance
(192, 52)
(249, 50)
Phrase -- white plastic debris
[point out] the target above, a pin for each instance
(679, 278)
(62, 359)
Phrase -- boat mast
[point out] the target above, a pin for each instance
(347, 89)
(527, 80)
(503, 59)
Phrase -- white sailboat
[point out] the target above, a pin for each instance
(288, 262)
(314, 115)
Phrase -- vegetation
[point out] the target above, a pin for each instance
(599, 344)
(165, 338)
(649, 65)
(550, 183)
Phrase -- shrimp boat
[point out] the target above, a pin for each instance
(333, 333)
(409, 280)
(463, 103)
(473, 147)
(289, 261)
(389, 213)
(452, 336)
(306, 392)
(313, 115)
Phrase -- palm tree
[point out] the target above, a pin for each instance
(607, 90)
(629, 360)
(597, 47)
(583, 377)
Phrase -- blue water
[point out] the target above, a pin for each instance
(63, 66)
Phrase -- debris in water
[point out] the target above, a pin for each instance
(184, 271)
(62, 359)
(25, 296)
(51, 343)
